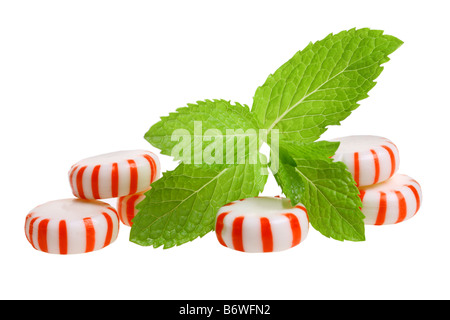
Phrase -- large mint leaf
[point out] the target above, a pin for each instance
(327, 190)
(213, 131)
(182, 205)
(321, 84)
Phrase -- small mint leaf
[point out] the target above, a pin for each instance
(328, 190)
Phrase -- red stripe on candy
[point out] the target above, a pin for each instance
(80, 182)
(115, 212)
(71, 176)
(31, 229)
(42, 235)
(152, 163)
(401, 206)
(133, 176)
(119, 208)
(303, 209)
(356, 161)
(115, 180)
(94, 182)
(131, 204)
(25, 229)
(219, 227)
(109, 230)
(392, 156)
(381, 216)
(362, 193)
(416, 195)
(266, 235)
(295, 227)
(377, 166)
(237, 234)
(62, 237)
(90, 234)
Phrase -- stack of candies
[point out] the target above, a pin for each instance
(387, 196)
(268, 224)
(84, 224)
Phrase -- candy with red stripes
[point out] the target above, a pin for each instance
(261, 224)
(114, 174)
(70, 226)
(392, 201)
(370, 159)
(126, 207)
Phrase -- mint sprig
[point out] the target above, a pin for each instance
(319, 86)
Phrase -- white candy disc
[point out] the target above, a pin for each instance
(261, 224)
(71, 226)
(370, 159)
(126, 207)
(114, 174)
(391, 201)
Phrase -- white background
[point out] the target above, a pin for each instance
(81, 78)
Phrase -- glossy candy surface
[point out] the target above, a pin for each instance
(126, 207)
(261, 224)
(69, 226)
(114, 174)
(392, 201)
(370, 159)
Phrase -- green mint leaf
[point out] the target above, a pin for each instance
(313, 151)
(286, 175)
(207, 132)
(321, 84)
(182, 205)
(290, 182)
(327, 189)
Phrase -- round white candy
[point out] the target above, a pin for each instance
(392, 201)
(370, 159)
(70, 226)
(261, 224)
(114, 174)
